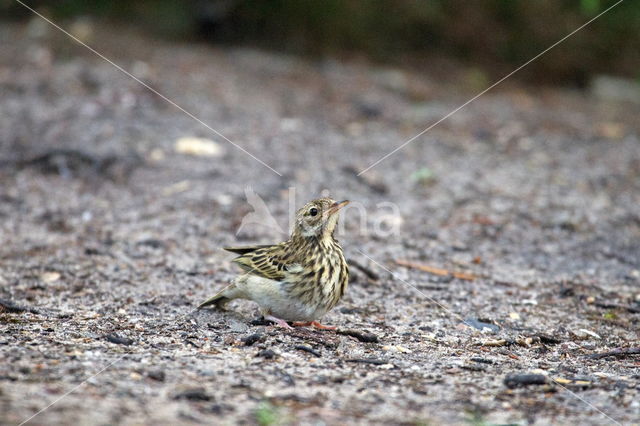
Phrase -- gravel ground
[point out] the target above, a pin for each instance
(525, 203)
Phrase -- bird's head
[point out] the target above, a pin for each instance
(318, 218)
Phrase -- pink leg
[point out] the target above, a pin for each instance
(282, 323)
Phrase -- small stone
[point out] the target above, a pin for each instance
(521, 380)
(157, 375)
(251, 339)
(198, 147)
(267, 354)
(50, 277)
(361, 336)
(113, 338)
(194, 394)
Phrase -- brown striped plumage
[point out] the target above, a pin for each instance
(299, 279)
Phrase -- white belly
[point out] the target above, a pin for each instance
(274, 301)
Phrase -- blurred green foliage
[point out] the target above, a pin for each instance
(492, 34)
(267, 414)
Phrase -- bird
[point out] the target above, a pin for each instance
(298, 280)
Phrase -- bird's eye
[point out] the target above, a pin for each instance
(313, 211)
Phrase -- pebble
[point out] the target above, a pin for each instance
(198, 147)
(113, 338)
(267, 354)
(157, 375)
(193, 394)
(521, 380)
(251, 339)
(50, 277)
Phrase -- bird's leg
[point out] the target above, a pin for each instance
(316, 324)
(282, 323)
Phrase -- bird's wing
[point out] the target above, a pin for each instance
(268, 261)
(245, 249)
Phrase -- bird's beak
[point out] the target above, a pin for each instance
(335, 207)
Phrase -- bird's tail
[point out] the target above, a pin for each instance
(222, 298)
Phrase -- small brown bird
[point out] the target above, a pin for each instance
(298, 280)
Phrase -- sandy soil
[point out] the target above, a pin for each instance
(110, 238)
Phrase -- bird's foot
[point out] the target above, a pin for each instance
(316, 324)
(280, 322)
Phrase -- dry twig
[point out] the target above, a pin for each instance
(436, 271)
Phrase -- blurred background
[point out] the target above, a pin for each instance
(494, 36)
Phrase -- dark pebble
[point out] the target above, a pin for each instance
(251, 339)
(367, 109)
(10, 307)
(119, 340)
(361, 336)
(158, 375)
(372, 361)
(195, 394)
(519, 380)
(92, 251)
(267, 354)
(474, 367)
(482, 360)
(260, 321)
(151, 242)
(549, 340)
(216, 409)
